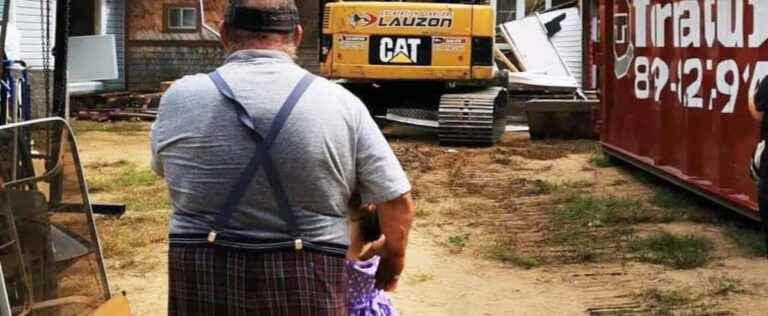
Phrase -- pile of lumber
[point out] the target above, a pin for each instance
(117, 106)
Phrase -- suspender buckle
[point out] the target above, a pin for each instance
(298, 244)
(212, 236)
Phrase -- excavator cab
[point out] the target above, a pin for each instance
(50, 254)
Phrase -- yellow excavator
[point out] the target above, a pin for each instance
(427, 63)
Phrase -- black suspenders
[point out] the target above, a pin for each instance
(261, 159)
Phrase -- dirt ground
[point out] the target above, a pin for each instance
(490, 236)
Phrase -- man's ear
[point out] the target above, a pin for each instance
(298, 35)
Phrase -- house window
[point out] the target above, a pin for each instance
(181, 19)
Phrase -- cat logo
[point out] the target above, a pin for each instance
(391, 50)
(399, 50)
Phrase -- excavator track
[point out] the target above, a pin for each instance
(473, 118)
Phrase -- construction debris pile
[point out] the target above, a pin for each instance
(117, 106)
(544, 56)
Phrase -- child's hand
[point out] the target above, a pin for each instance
(375, 248)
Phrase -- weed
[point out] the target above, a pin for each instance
(502, 157)
(590, 211)
(724, 285)
(107, 164)
(547, 149)
(678, 204)
(459, 241)
(121, 128)
(602, 160)
(751, 242)
(679, 252)
(126, 176)
(505, 253)
(457, 175)
(132, 176)
(540, 187)
(423, 211)
(422, 277)
(122, 237)
(642, 176)
(664, 301)
(670, 198)
(619, 182)
(579, 184)
(588, 225)
(141, 199)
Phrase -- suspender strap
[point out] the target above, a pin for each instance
(261, 158)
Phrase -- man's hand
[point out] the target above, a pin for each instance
(395, 219)
(389, 272)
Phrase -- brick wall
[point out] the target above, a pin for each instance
(148, 66)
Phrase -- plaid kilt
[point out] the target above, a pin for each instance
(215, 281)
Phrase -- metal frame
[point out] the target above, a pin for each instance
(87, 206)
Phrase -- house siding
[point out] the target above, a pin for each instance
(31, 31)
(150, 65)
(29, 24)
(114, 13)
(154, 56)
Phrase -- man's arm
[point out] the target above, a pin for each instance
(758, 100)
(395, 219)
(754, 111)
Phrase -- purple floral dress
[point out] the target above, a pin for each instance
(364, 298)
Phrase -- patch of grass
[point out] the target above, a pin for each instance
(587, 226)
(547, 149)
(541, 187)
(619, 182)
(591, 211)
(142, 199)
(422, 211)
(502, 157)
(663, 301)
(670, 198)
(108, 164)
(120, 238)
(457, 175)
(676, 251)
(125, 176)
(133, 176)
(642, 176)
(459, 241)
(678, 204)
(579, 184)
(602, 160)
(750, 241)
(122, 128)
(422, 277)
(505, 253)
(724, 285)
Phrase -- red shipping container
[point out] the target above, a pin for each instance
(676, 78)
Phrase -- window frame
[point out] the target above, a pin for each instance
(182, 8)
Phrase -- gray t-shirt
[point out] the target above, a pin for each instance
(329, 149)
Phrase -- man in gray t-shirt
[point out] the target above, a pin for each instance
(328, 150)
